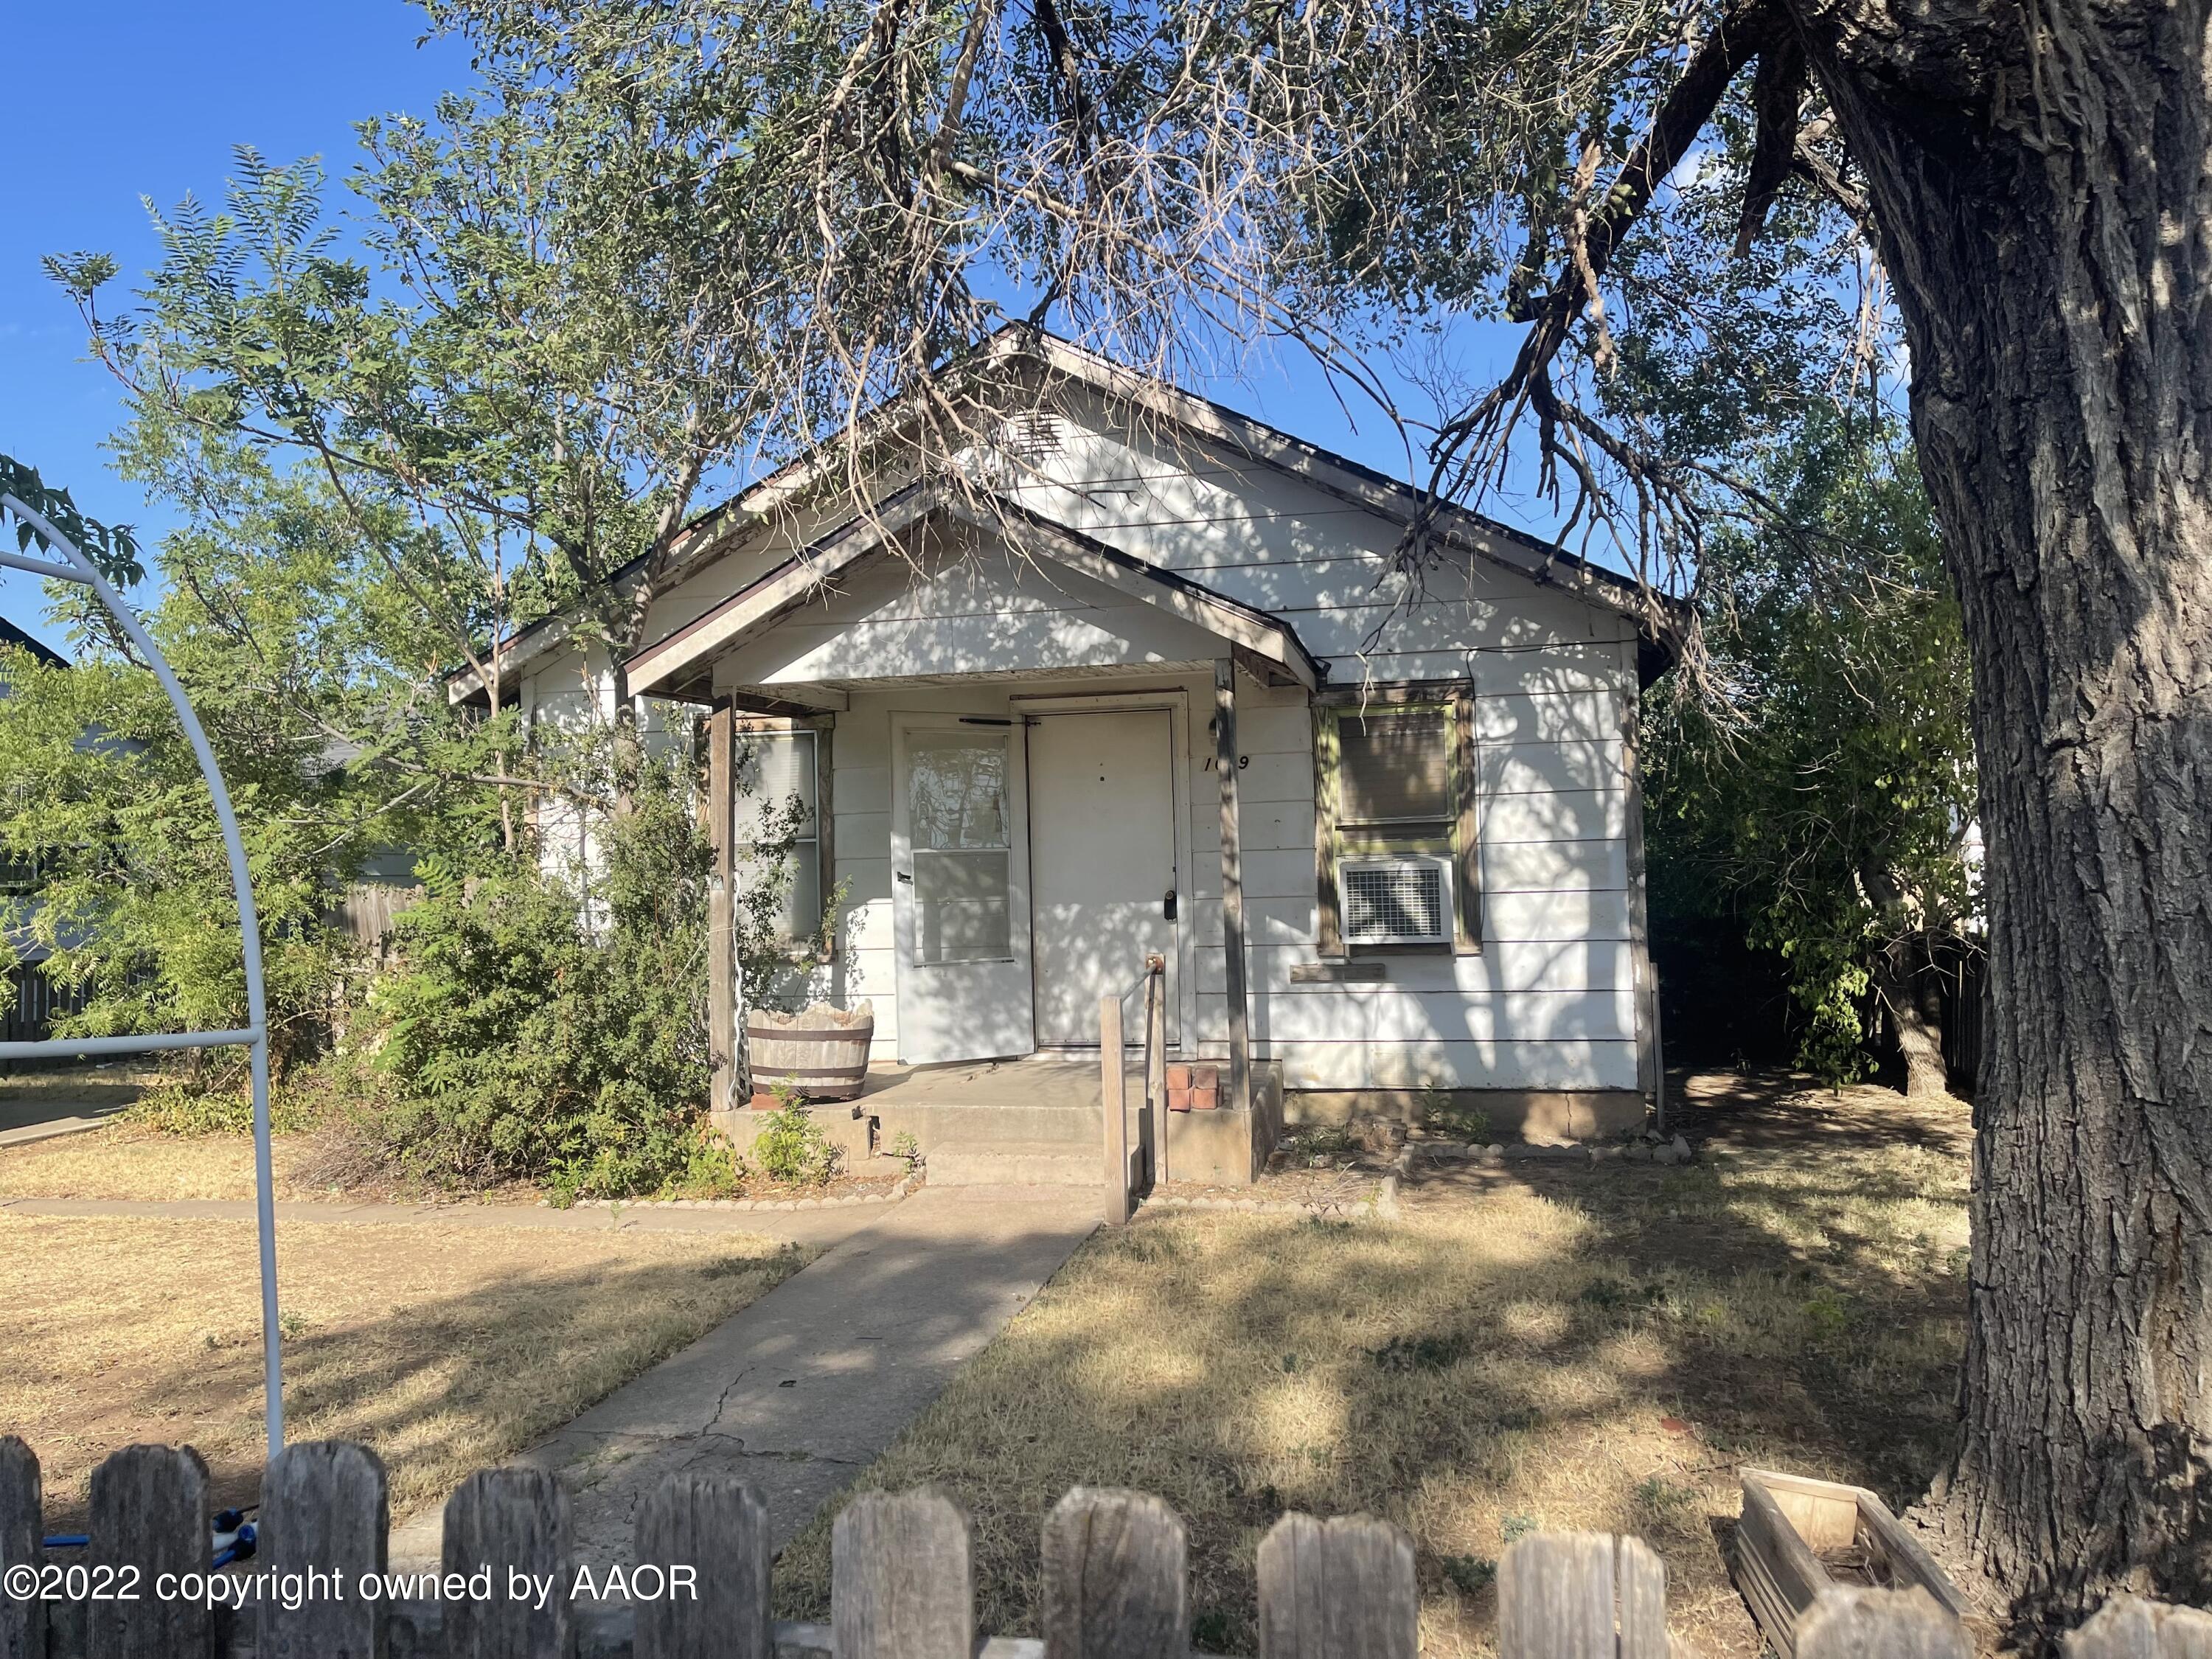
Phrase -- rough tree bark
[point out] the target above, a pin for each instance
(1904, 984)
(2041, 187)
(1918, 1027)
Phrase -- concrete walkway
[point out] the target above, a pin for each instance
(805, 1226)
(23, 1123)
(799, 1392)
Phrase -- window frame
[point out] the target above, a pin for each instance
(1461, 842)
(744, 727)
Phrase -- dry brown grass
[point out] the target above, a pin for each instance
(1500, 1360)
(123, 1161)
(444, 1348)
(134, 1161)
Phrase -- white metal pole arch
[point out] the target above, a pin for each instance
(255, 1036)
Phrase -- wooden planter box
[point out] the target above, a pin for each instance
(1798, 1536)
(820, 1054)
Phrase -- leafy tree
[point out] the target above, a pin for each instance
(306, 667)
(1833, 798)
(550, 335)
(113, 548)
(132, 899)
(2020, 183)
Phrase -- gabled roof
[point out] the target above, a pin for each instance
(1267, 643)
(11, 635)
(721, 528)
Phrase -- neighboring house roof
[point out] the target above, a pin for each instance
(721, 528)
(11, 635)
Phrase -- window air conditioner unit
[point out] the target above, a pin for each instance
(1404, 899)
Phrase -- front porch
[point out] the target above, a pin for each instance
(1038, 1120)
(1025, 765)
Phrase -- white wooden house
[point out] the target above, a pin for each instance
(1007, 695)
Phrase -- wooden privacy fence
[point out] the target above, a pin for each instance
(902, 1581)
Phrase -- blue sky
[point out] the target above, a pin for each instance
(134, 98)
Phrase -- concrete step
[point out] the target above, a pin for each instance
(935, 1125)
(1016, 1163)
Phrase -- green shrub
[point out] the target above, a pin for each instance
(178, 1106)
(519, 1047)
(1470, 1575)
(791, 1147)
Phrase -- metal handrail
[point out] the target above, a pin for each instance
(254, 1036)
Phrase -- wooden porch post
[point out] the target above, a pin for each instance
(721, 965)
(1233, 884)
(1114, 1110)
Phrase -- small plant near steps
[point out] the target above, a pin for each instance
(791, 1147)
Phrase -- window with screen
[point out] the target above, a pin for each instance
(776, 828)
(1394, 794)
(961, 838)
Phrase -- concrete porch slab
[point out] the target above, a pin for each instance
(1068, 1079)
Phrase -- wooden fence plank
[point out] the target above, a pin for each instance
(1581, 1596)
(1114, 1585)
(1340, 1589)
(1555, 1597)
(901, 1583)
(1849, 1623)
(150, 1512)
(324, 1509)
(1640, 1591)
(22, 1530)
(503, 1522)
(2126, 1627)
(719, 1530)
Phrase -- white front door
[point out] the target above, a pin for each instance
(1103, 884)
(960, 889)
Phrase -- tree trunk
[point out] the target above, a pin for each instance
(2042, 190)
(1918, 1027)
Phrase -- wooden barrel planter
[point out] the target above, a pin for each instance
(820, 1054)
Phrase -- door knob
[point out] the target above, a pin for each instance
(905, 878)
(1167, 907)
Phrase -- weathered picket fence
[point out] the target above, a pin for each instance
(902, 1583)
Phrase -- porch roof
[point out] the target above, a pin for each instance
(681, 663)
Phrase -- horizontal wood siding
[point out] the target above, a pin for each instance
(1559, 965)
(1548, 1002)
(975, 609)
(1391, 1013)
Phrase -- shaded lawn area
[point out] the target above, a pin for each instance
(1527, 1348)
(40, 1095)
(446, 1349)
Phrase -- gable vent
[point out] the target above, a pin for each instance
(1405, 900)
(1033, 435)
